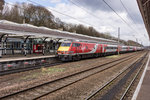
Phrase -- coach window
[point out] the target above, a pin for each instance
(65, 44)
(78, 44)
(86, 47)
(75, 45)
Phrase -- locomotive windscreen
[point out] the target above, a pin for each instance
(65, 44)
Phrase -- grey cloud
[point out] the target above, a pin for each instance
(95, 5)
(99, 4)
(136, 18)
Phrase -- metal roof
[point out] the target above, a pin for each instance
(144, 6)
(7, 27)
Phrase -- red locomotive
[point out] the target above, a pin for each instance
(77, 50)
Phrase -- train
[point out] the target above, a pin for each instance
(38, 48)
(76, 50)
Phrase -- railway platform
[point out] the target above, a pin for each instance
(143, 89)
(23, 62)
(9, 58)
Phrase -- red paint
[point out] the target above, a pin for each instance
(94, 48)
(37, 48)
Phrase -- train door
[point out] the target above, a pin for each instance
(100, 48)
(104, 48)
(77, 48)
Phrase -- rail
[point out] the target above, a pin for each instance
(66, 79)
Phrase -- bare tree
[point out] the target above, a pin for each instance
(38, 16)
(15, 16)
(2, 2)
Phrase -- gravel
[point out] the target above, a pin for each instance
(22, 80)
(82, 89)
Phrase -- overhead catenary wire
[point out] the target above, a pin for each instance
(63, 14)
(128, 13)
(117, 14)
(81, 20)
(60, 13)
(54, 11)
(120, 17)
(128, 26)
(90, 13)
(69, 15)
(35, 12)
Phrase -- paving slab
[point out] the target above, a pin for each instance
(142, 91)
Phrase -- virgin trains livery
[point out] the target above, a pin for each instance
(69, 51)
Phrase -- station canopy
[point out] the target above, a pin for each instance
(11, 29)
(144, 6)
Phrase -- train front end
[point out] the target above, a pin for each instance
(64, 52)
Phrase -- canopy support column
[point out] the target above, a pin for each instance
(25, 45)
(43, 49)
(1, 38)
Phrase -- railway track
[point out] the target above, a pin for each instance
(127, 89)
(22, 69)
(111, 89)
(54, 85)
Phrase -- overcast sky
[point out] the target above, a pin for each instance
(101, 17)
